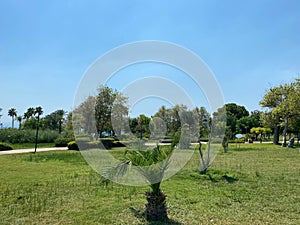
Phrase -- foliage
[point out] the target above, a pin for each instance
(234, 113)
(5, 146)
(54, 121)
(260, 131)
(151, 164)
(12, 112)
(103, 109)
(64, 138)
(27, 136)
(283, 105)
(72, 145)
(83, 117)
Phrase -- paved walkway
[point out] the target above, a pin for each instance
(17, 151)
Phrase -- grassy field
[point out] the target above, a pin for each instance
(31, 145)
(254, 184)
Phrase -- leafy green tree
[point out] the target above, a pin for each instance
(176, 113)
(166, 115)
(54, 121)
(143, 126)
(204, 121)
(83, 117)
(69, 122)
(13, 114)
(256, 118)
(119, 114)
(283, 104)
(103, 109)
(244, 124)
(260, 131)
(234, 113)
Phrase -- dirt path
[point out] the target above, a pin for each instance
(18, 151)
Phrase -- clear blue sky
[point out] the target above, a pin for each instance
(46, 46)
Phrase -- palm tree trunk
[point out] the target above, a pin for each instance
(156, 209)
(36, 134)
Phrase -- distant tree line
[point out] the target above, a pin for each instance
(107, 114)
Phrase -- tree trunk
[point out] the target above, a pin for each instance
(156, 209)
(286, 124)
(276, 135)
(36, 134)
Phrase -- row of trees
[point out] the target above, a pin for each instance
(107, 114)
(53, 121)
(283, 110)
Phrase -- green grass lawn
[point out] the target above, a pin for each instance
(254, 184)
(31, 145)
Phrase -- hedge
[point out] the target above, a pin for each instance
(5, 146)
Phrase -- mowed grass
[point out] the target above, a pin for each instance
(254, 184)
(32, 145)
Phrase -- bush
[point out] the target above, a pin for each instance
(62, 141)
(64, 138)
(72, 145)
(5, 146)
(102, 143)
(239, 140)
(27, 136)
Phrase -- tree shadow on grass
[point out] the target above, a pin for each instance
(229, 179)
(140, 214)
(216, 176)
(67, 157)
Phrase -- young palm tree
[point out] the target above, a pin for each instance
(13, 113)
(151, 164)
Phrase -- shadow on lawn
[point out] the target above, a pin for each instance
(140, 214)
(216, 176)
(67, 157)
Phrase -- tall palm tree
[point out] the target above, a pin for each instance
(19, 118)
(37, 112)
(151, 164)
(29, 113)
(13, 113)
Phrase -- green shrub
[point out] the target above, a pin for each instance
(62, 141)
(239, 140)
(72, 145)
(47, 136)
(27, 136)
(64, 138)
(5, 146)
(102, 143)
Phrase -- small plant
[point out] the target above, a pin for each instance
(72, 145)
(151, 164)
(5, 146)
